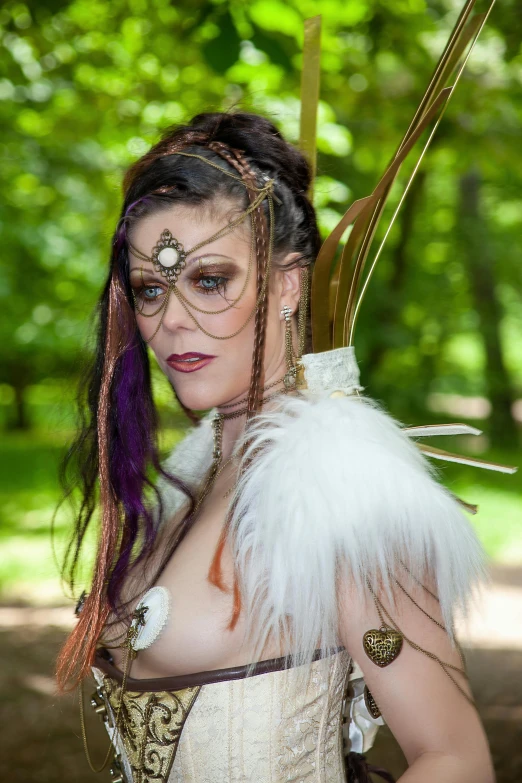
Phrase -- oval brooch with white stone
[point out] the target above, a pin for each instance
(151, 615)
(168, 256)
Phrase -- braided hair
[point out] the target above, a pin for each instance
(117, 440)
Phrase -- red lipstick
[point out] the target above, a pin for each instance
(189, 362)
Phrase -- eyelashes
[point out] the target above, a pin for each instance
(141, 292)
(207, 285)
(218, 284)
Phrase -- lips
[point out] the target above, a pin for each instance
(189, 362)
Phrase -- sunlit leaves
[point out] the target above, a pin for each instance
(87, 85)
(277, 16)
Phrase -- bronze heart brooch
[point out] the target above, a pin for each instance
(383, 646)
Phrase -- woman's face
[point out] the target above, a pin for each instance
(204, 369)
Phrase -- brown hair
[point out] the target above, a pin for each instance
(113, 448)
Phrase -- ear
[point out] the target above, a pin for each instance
(288, 282)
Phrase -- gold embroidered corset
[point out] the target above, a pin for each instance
(221, 726)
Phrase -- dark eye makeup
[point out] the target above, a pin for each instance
(208, 280)
(210, 284)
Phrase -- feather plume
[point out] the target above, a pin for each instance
(336, 488)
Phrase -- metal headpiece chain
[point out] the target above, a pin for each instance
(168, 256)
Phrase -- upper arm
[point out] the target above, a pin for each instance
(422, 706)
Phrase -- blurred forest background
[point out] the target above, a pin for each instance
(87, 86)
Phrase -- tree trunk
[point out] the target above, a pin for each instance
(20, 421)
(480, 263)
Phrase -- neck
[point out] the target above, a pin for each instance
(232, 430)
(234, 427)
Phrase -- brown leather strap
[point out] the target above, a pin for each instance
(104, 662)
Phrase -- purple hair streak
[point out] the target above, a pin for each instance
(114, 459)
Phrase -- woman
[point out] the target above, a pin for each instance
(297, 529)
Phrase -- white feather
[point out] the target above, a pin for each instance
(336, 486)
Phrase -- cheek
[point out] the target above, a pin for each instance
(234, 327)
(153, 334)
(274, 329)
(145, 327)
(273, 340)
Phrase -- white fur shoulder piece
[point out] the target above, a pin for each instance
(190, 460)
(336, 486)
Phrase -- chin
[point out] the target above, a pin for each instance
(199, 399)
(203, 390)
(196, 401)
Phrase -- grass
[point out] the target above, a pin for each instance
(498, 522)
(29, 493)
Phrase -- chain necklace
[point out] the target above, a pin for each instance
(217, 467)
(245, 399)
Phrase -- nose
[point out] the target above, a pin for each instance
(176, 315)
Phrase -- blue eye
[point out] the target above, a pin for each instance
(147, 295)
(210, 283)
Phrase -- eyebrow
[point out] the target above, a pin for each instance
(190, 262)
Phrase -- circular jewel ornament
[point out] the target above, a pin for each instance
(151, 615)
(168, 256)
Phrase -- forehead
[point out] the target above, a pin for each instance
(191, 226)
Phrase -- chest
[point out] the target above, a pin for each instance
(196, 636)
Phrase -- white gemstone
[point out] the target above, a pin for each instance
(169, 256)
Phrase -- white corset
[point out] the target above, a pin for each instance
(234, 729)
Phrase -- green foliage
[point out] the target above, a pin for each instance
(86, 87)
(28, 497)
